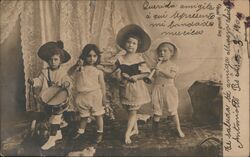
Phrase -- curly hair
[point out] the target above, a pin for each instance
(56, 51)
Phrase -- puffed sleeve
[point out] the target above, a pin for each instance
(66, 78)
(117, 63)
(38, 82)
(174, 69)
(72, 71)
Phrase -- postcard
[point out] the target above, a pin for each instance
(124, 77)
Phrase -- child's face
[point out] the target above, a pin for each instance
(165, 52)
(92, 57)
(54, 62)
(131, 45)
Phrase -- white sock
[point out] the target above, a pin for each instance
(81, 131)
(100, 131)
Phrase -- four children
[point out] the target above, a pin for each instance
(90, 85)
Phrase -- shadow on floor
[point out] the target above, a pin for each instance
(144, 144)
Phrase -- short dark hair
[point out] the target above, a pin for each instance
(86, 50)
(56, 51)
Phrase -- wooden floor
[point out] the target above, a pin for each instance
(144, 144)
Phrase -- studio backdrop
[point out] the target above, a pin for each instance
(79, 22)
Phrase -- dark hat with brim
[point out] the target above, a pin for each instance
(46, 51)
(134, 30)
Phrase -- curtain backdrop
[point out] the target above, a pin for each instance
(78, 22)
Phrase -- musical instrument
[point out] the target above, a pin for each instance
(55, 99)
(148, 79)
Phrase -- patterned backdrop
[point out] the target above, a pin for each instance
(78, 22)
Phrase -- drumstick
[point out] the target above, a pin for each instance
(59, 91)
(32, 98)
(45, 76)
(30, 94)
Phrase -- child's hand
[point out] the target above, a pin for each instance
(157, 67)
(109, 112)
(107, 108)
(30, 81)
(133, 78)
(106, 105)
(100, 67)
(65, 84)
(126, 76)
(79, 62)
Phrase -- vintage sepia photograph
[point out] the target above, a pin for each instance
(87, 78)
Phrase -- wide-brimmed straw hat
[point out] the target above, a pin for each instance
(175, 50)
(46, 50)
(134, 30)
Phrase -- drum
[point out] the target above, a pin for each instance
(55, 99)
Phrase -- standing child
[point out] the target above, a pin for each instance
(165, 94)
(54, 54)
(133, 91)
(91, 90)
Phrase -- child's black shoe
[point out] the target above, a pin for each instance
(99, 137)
(77, 136)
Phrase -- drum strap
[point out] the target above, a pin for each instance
(49, 79)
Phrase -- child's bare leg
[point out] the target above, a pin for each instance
(178, 126)
(82, 126)
(83, 123)
(130, 125)
(99, 122)
(135, 130)
(55, 121)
